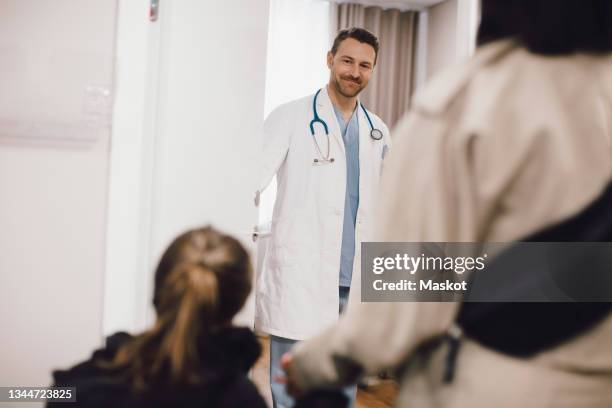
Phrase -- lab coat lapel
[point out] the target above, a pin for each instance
(365, 141)
(326, 111)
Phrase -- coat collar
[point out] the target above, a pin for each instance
(326, 112)
(364, 125)
(441, 91)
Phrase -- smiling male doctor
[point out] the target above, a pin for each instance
(326, 151)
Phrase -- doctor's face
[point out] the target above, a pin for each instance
(351, 67)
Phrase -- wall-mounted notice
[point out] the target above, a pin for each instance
(94, 123)
(54, 96)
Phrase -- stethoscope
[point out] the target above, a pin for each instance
(375, 133)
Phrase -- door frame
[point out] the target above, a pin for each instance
(132, 151)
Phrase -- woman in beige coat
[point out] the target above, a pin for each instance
(515, 140)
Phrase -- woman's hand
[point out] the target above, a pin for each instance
(289, 378)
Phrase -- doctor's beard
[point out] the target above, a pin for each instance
(343, 89)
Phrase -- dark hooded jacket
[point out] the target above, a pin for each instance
(227, 357)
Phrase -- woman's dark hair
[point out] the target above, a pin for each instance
(360, 34)
(549, 27)
(201, 282)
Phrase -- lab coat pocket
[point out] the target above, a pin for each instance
(288, 234)
(273, 273)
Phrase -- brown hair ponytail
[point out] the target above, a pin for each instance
(201, 282)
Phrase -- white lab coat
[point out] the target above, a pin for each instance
(297, 289)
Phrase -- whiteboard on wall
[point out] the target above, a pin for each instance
(50, 94)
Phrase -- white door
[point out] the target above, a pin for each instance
(203, 114)
(210, 112)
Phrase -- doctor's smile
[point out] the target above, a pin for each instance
(352, 82)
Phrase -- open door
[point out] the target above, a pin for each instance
(200, 125)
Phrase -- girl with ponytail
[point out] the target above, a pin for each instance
(192, 356)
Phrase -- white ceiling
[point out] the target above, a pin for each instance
(395, 4)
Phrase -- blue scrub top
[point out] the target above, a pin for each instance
(350, 135)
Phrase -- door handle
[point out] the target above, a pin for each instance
(260, 231)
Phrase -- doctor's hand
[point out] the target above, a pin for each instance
(289, 378)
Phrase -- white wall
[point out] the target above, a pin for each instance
(468, 19)
(52, 188)
(297, 48)
(442, 36)
(451, 31)
(298, 41)
(201, 141)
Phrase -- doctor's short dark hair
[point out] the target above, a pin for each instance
(360, 34)
(549, 27)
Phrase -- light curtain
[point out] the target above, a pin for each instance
(392, 84)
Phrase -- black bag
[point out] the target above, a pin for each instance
(524, 329)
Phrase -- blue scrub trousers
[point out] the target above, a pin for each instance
(280, 346)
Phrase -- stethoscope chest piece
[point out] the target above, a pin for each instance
(376, 134)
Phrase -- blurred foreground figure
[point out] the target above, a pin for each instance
(516, 140)
(192, 356)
